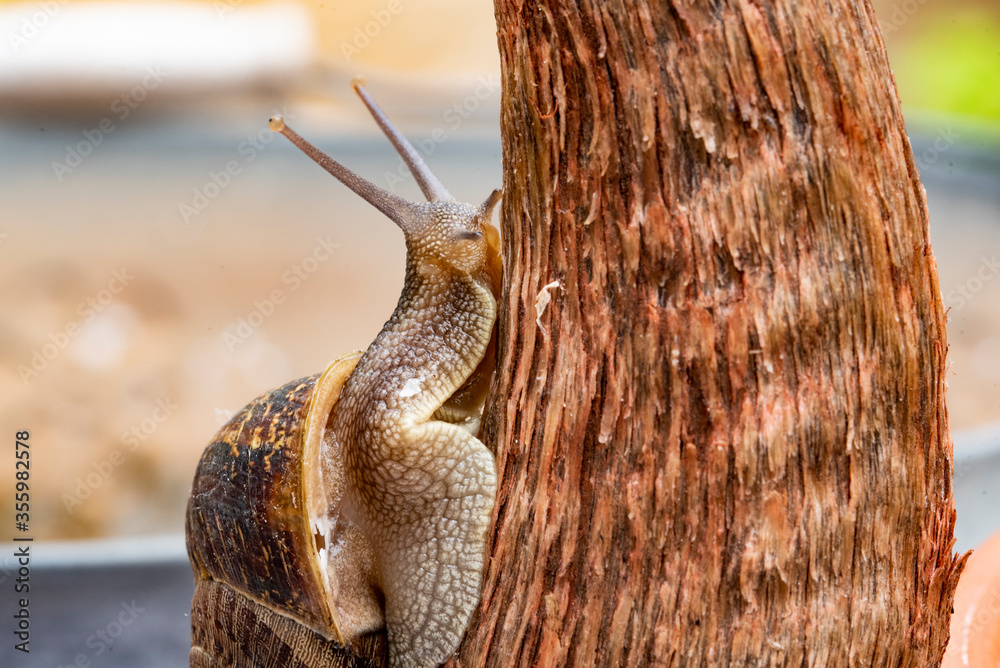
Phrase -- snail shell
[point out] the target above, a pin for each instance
(266, 554)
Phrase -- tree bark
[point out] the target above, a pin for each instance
(719, 415)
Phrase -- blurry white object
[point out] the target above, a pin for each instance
(52, 48)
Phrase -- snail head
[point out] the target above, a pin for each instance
(441, 231)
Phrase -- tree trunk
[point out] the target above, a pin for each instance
(719, 415)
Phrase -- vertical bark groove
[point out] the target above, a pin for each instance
(724, 439)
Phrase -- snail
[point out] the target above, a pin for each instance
(349, 509)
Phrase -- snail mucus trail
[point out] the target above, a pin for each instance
(359, 498)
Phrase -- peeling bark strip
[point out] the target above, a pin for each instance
(732, 447)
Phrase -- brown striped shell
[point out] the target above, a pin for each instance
(268, 545)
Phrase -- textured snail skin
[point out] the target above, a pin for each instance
(340, 520)
(422, 484)
(409, 488)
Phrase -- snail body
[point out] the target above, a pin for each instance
(343, 516)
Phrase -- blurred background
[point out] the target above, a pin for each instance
(164, 258)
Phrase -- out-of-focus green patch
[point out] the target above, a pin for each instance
(952, 64)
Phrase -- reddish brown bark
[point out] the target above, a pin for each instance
(724, 441)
